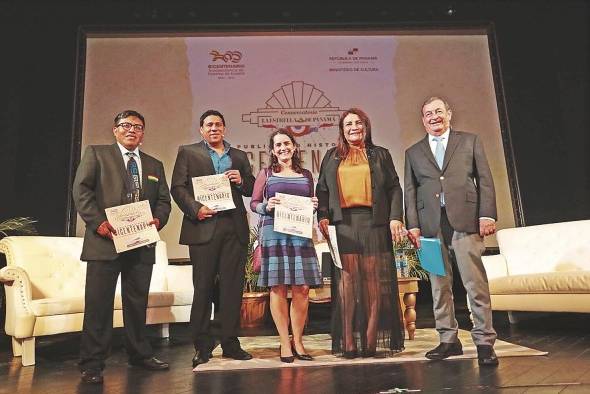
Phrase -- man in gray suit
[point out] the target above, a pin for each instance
(449, 194)
(111, 175)
(217, 241)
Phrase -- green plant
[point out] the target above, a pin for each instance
(18, 226)
(251, 277)
(415, 270)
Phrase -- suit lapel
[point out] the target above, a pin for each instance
(118, 158)
(145, 171)
(332, 170)
(234, 159)
(425, 146)
(203, 150)
(454, 140)
(120, 178)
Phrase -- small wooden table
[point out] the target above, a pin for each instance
(408, 288)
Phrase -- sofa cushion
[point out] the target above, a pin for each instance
(573, 282)
(555, 247)
(57, 306)
(66, 305)
(167, 298)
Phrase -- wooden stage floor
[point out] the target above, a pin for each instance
(565, 370)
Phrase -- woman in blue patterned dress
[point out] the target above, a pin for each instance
(287, 260)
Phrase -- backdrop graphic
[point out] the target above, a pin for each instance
(302, 81)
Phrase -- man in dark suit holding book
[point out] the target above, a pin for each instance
(217, 240)
(112, 175)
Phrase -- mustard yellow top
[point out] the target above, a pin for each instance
(354, 180)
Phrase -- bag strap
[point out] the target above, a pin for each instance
(265, 198)
(309, 177)
(266, 176)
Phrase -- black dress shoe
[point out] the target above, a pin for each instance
(303, 356)
(201, 357)
(92, 376)
(486, 356)
(237, 354)
(444, 350)
(286, 359)
(152, 364)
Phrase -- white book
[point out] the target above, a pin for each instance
(333, 245)
(213, 191)
(294, 215)
(131, 222)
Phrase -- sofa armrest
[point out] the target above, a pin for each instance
(179, 277)
(20, 319)
(495, 266)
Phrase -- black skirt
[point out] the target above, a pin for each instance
(366, 313)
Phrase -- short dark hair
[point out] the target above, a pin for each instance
(127, 113)
(210, 112)
(430, 100)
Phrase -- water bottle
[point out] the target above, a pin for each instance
(405, 269)
(399, 257)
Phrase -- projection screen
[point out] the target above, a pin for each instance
(294, 78)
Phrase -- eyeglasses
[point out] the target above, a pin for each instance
(128, 126)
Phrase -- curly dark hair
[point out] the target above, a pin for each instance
(274, 162)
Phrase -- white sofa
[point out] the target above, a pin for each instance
(44, 281)
(544, 268)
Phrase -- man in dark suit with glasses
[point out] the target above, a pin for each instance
(112, 175)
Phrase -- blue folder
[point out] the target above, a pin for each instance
(430, 256)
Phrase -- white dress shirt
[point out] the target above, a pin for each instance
(444, 139)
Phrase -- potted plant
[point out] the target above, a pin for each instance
(17, 226)
(255, 300)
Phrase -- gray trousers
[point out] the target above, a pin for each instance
(468, 249)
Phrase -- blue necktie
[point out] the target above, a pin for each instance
(439, 156)
(133, 172)
(439, 151)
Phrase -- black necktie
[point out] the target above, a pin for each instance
(133, 173)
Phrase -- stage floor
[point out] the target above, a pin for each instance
(565, 369)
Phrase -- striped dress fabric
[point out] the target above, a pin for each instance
(287, 259)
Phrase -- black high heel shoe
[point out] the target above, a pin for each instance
(368, 353)
(304, 356)
(350, 354)
(287, 359)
